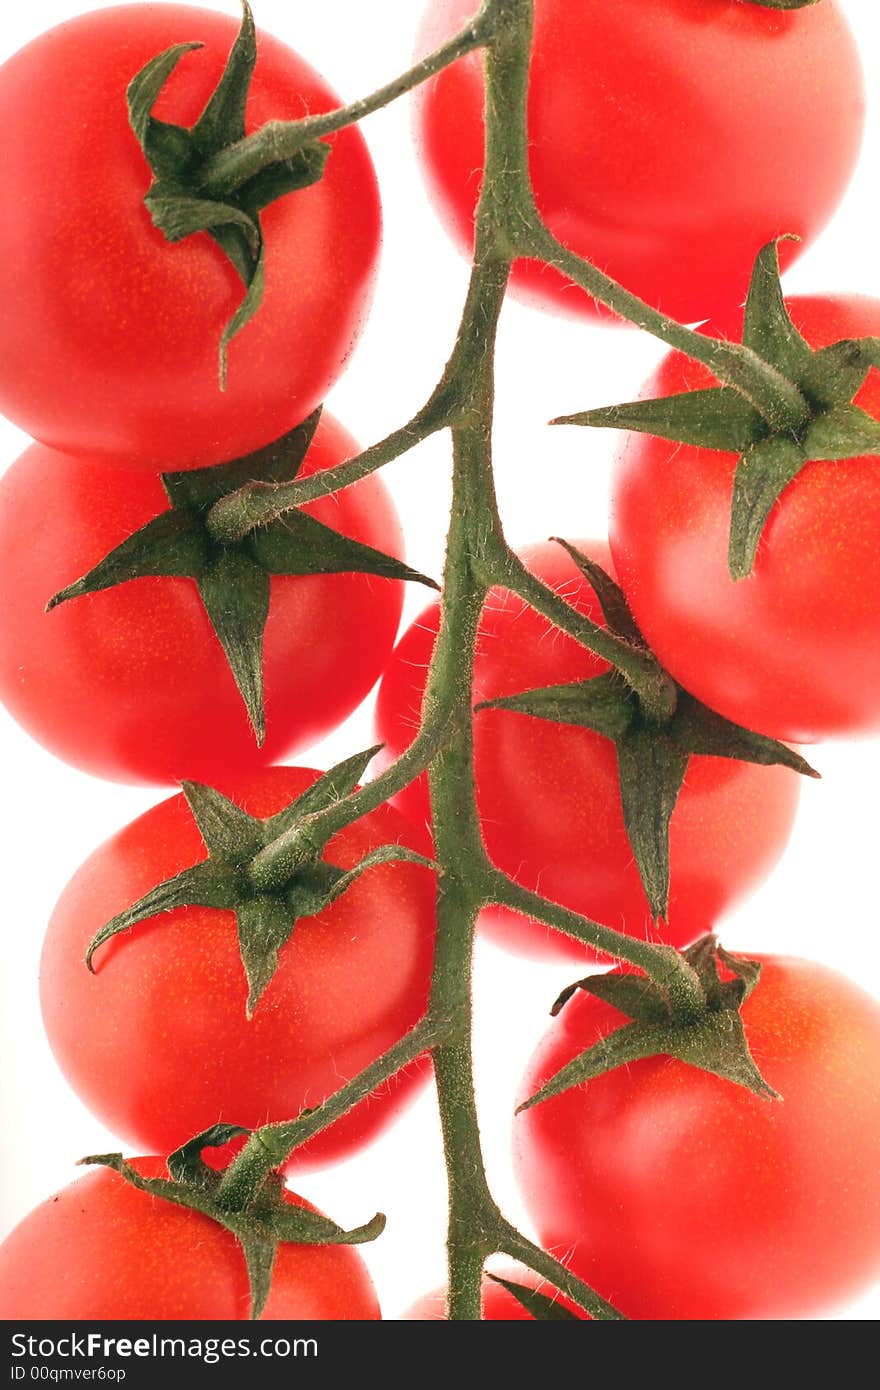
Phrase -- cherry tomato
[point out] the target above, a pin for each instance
(548, 794)
(668, 142)
(499, 1305)
(109, 334)
(793, 650)
(100, 1249)
(132, 683)
(157, 1043)
(679, 1195)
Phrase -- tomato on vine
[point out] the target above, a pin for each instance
(549, 795)
(132, 682)
(793, 648)
(110, 331)
(667, 141)
(100, 1249)
(158, 1041)
(680, 1195)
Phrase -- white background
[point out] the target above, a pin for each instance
(822, 900)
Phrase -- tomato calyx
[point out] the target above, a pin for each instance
(833, 429)
(652, 755)
(260, 1226)
(711, 1038)
(266, 918)
(234, 577)
(539, 1306)
(188, 196)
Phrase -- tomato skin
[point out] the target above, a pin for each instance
(793, 650)
(549, 796)
(156, 1042)
(109, 335)
(132, 683)
(497, 1304)
(668, 142)
(100, 1249)
(680, 1196)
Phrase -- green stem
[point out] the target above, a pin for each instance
(640, 669)
(278, 141)
(275, 865)
(258, 504)
(776, 398)
(511, 1242)
(663, 964)
(270, 1147)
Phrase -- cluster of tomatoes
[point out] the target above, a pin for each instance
(676, 1194)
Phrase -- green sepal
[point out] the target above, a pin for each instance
(259, 1229)
(168, 149)
(319, 885)
(212, 883)
(637, 996)
(228, 831)
(837, 373)
(234, 578)
(767, 326)
(177, 214)
(651, 772)
(715, 418)
(700, 731)
(603, 704)
(172, 544)
(265, 925)
(762, 475)
(612, 600)
(223, 119)
(843, 432)
(332, 786)
(179, 201)
(235, 591)
(198, 489)
(538, 1305)
(713, 1040)
(299, 544)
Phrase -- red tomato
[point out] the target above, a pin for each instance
(680, 1196)
(100, 1249)
(668, 142)
(548, 794)
(498, 1304)
(156, 1042)
(109, 334)
(793, 650)
(132, 683)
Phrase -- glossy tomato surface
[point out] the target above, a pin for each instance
(668, 141)
(498, 1304)
(157, 1043)
(109, 334)
(679, 1195)
(549, 796)
(132, 683)
(794, 649)
(100, 1249)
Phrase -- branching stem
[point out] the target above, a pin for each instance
(477, 557)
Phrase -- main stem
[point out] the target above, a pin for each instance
(475, 531)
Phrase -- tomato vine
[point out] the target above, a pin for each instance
(776, 401)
